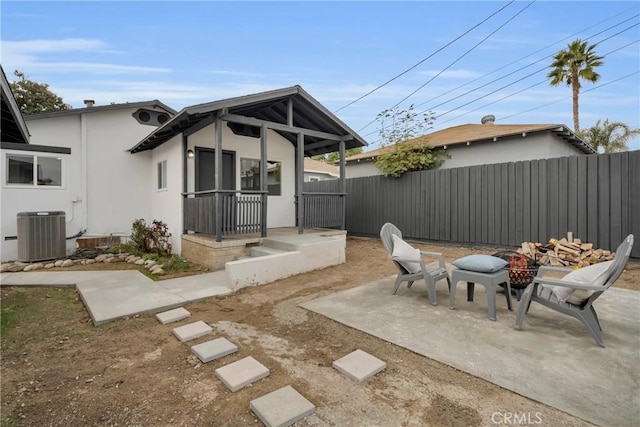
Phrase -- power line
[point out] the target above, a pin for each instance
(465, 54)
(520, 59)
(522, 68)
(516, 81)
(423, 60)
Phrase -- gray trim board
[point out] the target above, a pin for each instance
(32, 147)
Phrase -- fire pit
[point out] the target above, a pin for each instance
(522, 270)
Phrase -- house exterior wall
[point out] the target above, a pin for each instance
(104, 187)
(509, 149)
(361, 168)
(317, 176)
(281, 209)
(541, 145)
(166, 204)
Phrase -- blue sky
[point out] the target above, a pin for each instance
(185, 53)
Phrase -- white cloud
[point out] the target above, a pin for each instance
(28, 55)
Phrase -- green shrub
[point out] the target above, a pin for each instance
(152, 238)
(128, 247)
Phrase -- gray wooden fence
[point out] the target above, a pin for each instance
(597, 197)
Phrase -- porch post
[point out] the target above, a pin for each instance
(343, 186)
(184, 178)
(300, 181)
(264, 184)
(218, 179)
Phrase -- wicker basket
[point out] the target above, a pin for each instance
(522, 269)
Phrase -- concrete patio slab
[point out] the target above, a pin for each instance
(282, 408)
(553, 360)
(241, 373)
(214, 349)
(112, 295)
(192, 331)
(174, 315)
(359, 365)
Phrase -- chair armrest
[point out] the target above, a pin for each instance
(567, 284)
(548, 269)
(437, 255)
(397, 258)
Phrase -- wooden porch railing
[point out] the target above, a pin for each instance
(241, 212)
(324, 210)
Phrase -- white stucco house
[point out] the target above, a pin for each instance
(315, 170)
(486, 143)
(77, 162)
(221, 169)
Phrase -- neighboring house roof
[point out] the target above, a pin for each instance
(271, 106)
(471, 133)
(12, 127)
(99, 108)
(315, 166)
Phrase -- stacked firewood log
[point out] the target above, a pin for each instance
(568, 252)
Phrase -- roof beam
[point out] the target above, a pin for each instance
(278, 126)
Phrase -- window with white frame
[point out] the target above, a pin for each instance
(162, 175)
(33, 170)
(250, 176)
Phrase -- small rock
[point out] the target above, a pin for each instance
(101, 258)
(149, 263)
(32, 267)
(58, 263)
(67, 263)
(90, 380)
(50, 265)
(109, 260)
(15, 267)
(5, 267)
(91, 261)
(158, 272)
(139, 262)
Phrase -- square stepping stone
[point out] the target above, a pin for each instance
(214, 349)
(173, 315)
(241, 373)
(281, 408)
(192, 331)
(359, 365)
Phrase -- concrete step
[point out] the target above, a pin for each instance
(258, 251)
(192, 331)
(174, 315)
(241, 373)
(282, 408)
(359, 365)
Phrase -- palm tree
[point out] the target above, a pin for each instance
(609, 137)
(576, 62)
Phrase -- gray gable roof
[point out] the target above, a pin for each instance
(97, 109)
(13, 127)
(271, 106)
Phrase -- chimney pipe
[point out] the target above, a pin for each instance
(89, 103)
(488, 120)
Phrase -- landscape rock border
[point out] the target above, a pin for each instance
(87, 257)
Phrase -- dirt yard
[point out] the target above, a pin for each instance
(60, 370)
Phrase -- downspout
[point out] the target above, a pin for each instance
(84, 148)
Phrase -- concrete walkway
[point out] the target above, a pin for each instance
(553, 360)
(111, 295)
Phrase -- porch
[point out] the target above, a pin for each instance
(205, 250)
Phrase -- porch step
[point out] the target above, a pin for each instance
(258, 251)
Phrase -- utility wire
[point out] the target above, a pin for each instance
(423, 60)
(464, 54)
(453, 63)
(516, 81)
(522, 68)
(518, 60)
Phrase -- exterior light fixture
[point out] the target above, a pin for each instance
(468, 143)
(445, 147)
(190, 154)
(524, 134)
